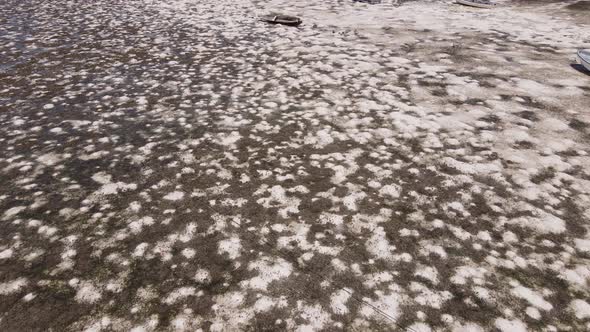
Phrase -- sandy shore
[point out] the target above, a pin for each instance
(406, 166)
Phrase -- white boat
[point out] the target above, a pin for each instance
(584, 56)
(477, 3)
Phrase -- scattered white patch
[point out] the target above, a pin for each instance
(316, 318)
(429, 297)
(533, 313)
(580, 308)
(330, 218)
(350, 201)
(179, 294)
(427, 272)
(278, 196)
(138, 225)
(49, 159)
(269, 270)
(532, 297)
(140, 250)
(320, 140)
(29, 297)
(583, 245)
(13, 286)
(202, 276)
(174, 196)
(135, 206)
(186, 322)
(543, 222)
(188, 253)
(419, 327)
(482, 293)
(150, 325)
(228, 140)
(338, 301)
(230, 316)
(388, 303)
(390, 190)
(505, 325)
(13, 211)
(472, 168)
(375, 279)
(264, 304)
(5, 254)
(378, 245)
(231, 246)
(115, 188)
(87, 293)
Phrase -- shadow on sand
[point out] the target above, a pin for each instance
(580, 68)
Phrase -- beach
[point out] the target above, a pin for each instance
(179, 165)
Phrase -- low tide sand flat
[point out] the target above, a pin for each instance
(179, 165)
(477, 3)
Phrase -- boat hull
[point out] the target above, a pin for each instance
(282, 19)
(584, 58)
(475, 4)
